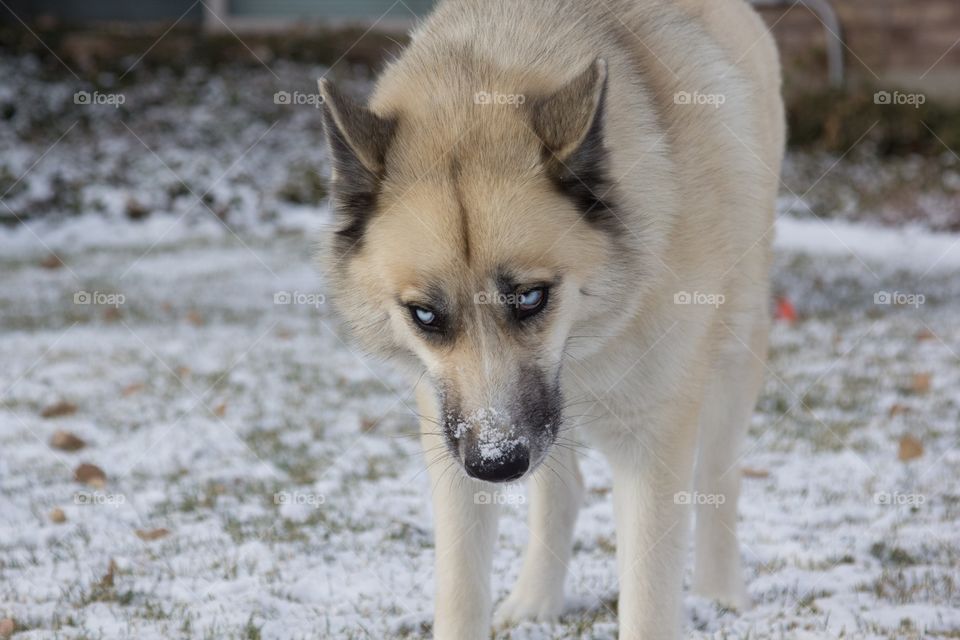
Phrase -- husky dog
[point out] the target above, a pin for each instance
(558, 214)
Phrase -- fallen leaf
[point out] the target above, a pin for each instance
(747, 472)
(898, 409)
(52, 261)
(925, 334)
(59, 409)
(111, 314)
(152, 534)
(131, 389)
(910, 448)
(220, 410)
(90, 474)
(284, 334)
(57, 516)
(785, 310)
(368, 424)
(183, 372)
(194, 318)
(7, 627)
(66, 441)
(136, 210)
(921, 382)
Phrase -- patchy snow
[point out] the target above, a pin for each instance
(225, 406)
(913, 247)
(278, 458)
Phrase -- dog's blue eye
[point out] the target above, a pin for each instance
(425, 317)
(530, 299)
(531, 302)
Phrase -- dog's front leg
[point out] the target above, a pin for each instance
(465, 533)
(465, 530)
(556, 492)
(650, 478)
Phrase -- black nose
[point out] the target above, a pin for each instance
(505, 467)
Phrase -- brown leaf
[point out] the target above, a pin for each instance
(66, 441)
(194, 318)
(90, 474)
(220, 410)
(152, 534)
(57, 516)
(368, 424)
(910, 448)
(136, 210)
(183, 372)
(921, 383)
(898, 409)
(925, 334)
(111, 314)
(754, 473)
(7, 627)
(52, 261)
(59, 409)
(131, 389)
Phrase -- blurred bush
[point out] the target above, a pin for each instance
(819, 118)
(834, 120)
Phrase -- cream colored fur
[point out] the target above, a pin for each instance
(696, 186)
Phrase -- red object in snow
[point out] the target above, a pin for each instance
(785, 310)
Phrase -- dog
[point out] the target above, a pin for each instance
(556, 215)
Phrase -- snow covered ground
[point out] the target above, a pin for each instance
(261, 478)
(295, 506)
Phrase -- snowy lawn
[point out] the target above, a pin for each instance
(261, 479)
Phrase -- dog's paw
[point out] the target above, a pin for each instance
(731, 596)
(528, 605)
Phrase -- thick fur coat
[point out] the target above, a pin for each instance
(557, 215)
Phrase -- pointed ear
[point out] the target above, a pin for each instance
(358, 141)
(567, 119)
(570, 123)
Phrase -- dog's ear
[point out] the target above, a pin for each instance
(570, 124)
(570, 121)
(358, 140)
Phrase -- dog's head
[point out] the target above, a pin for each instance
(474, 237)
